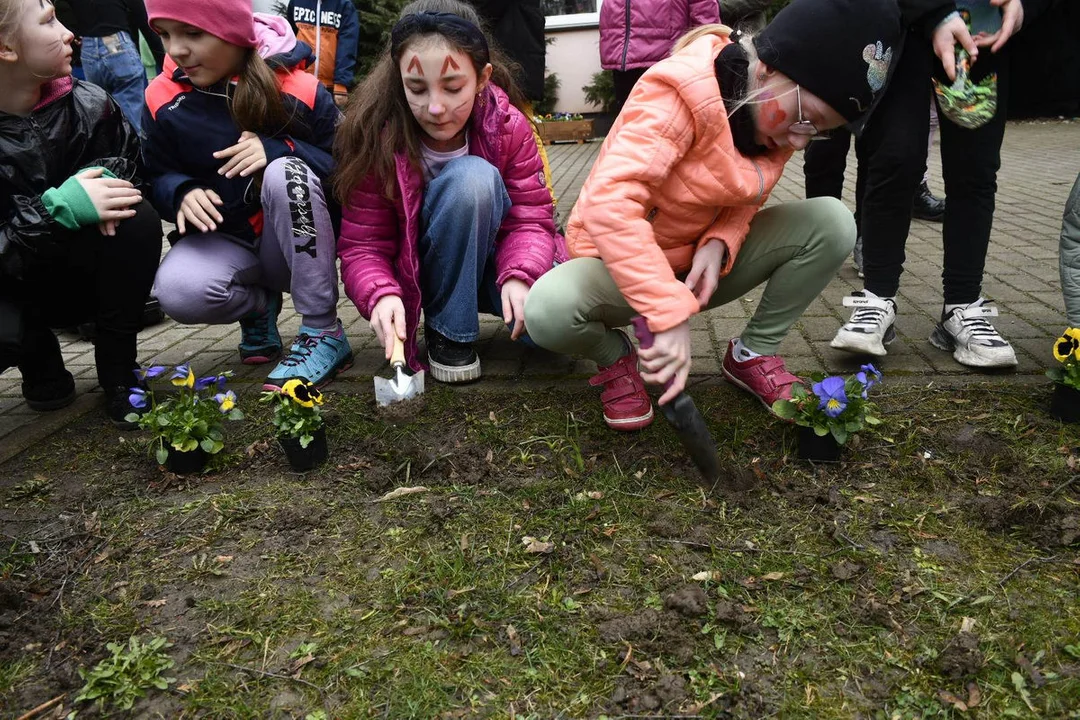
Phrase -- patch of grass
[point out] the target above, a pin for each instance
(829, 591)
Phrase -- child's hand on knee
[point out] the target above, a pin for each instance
(246, 157)
(199, 208)
(112, 198)
(705, 271)
(514, 293)
(388, 321)
(668, 360)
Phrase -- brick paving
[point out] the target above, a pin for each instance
(1040, 161)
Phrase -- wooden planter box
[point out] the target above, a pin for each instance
(565, 131)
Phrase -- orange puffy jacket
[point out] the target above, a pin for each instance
(668, 179)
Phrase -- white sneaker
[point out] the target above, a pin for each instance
(971, 338)
(870, 328)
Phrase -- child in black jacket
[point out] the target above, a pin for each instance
(77, 240)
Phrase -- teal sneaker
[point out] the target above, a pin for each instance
(259, 339)
(314, 356)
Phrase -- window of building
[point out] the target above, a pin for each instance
(571, 13)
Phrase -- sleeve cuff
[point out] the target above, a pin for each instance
(69, 205)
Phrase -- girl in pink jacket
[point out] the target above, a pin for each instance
(446, 209)
(636, 34)
(669, 222)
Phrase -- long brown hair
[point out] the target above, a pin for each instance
(378, 121)
(256, 101)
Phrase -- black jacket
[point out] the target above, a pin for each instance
(518, 28)
(77, 126)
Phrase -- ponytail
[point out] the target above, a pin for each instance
(256, 100)
(699, 32)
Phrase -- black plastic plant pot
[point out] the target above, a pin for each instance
(185, 463)
(303, 459)
(1065, 403)
(819, 448)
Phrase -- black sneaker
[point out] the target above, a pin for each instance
(118, 407)
(451, 361)
(926, 206)
(46, 383)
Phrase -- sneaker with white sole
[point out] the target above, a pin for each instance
(870, 328)
(968, 335)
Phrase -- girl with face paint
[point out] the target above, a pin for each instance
(78, 243)
(670, 222)
(446, 207)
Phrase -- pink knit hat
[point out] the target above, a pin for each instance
(230, 20)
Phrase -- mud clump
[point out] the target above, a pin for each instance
(961, 658)
(688, 600)
(736, 617)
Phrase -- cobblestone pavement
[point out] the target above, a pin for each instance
(1040, 161)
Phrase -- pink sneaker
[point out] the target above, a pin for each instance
(764, 377)
(626, 404)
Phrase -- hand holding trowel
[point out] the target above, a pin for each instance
(690, 426)
(402, 386)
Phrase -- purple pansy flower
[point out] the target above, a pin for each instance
(205, 382)
(138, 397)
(833, 397)
(144, 374)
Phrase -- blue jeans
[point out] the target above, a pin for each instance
(461, 215)
(113, 62)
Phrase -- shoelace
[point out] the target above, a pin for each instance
(867, 317)
(982, 331)
(256, 331)
(301, 349)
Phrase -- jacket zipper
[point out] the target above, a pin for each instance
(760, 180)
(626, 37)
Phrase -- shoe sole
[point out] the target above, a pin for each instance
(50, 405)
(260, 358)
(330, 377)
(455, 375)
(877, 350)
(630, 424)
(940, 339)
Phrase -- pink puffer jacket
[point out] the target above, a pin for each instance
(378, 243)
(639, 33)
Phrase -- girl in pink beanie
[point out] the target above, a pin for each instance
(238, 140)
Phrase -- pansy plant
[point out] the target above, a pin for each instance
(1067, 352)
(833, 404)
(297, 410)
(191, 416)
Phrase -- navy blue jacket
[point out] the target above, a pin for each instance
(185, 126)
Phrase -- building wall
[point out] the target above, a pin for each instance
(574, 56)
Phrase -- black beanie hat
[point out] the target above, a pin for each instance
(840, 50)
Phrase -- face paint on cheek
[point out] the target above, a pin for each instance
(414, 64)
(771, 115)
(448, 64)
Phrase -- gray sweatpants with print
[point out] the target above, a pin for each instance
(214, 278)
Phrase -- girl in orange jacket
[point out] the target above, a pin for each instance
(670, 219)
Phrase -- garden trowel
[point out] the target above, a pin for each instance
(694, 435)
(402, 386)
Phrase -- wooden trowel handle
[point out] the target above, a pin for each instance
(398, 356)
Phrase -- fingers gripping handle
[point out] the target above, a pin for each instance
(645, 338)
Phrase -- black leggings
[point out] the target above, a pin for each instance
(892, 148)
(104, 279)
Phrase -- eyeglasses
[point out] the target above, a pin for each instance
(804, 127)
